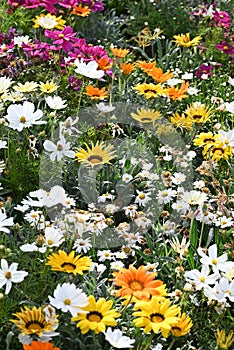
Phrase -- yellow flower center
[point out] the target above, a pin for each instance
(176, 331)
(22, 119)
(157, 318)
(61, 36)
(95, 159)
(225, 47)
(228, 291)
(34, 326)
(142, 196)
(7, 274)
(202, 279)
(50, 242)
(214, 261)
(218, 151)
(94, 316)
(68, 266)
(67, 302)
(135, 285)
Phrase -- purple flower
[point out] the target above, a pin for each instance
(64, 38)
(222, 19)
(225, 47)
(203, 69)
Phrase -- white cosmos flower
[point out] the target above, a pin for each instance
(218, 263)
(52, 237)
(9, 275)
(117, 339)
(68, 298)
(62, 148)
(32, 247)
(19, 40)
(55, 102)
(88, 69)
(227, 137)
(229, 107)
(56, 195)
(105, 108)
(231, 81)
(201, 278)
(5, 83)
(23, 115)
(225, 289)
(4, 221)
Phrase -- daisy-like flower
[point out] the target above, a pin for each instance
(227, 137)
(52, 237)
(185, 41)
(10, 274)
(136, 282)
(165, 196)
(158, 75)
(142, 198)
(199, 113)
(64, 38)
(82, 245)
(68, 298)
(96, 155)
(146, 115)
(229, 107)
(29, 86)
(81, 11)
(49, 21)
(180, 247)
(146, 66)
(150, 90)
(194, 198)
(201, 279)
(224, 289)
(218, 263)
(104, 108)
(23, 115)
(218, 151)
(89, 69)
(95, 93)
(4, 221)
(182, 327)
(5, 83)
(98, 315)
(69, 263)
(48, 87)
(177, 93)
(62, 148)
(34, 321)
(156, 315)
(205, 139)
(117, 339)
(55, 102)
(118, 52)
(39, 345)
(126, 68)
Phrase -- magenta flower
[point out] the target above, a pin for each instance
(225, 47)
(48, 4)
(64, 38)
(222, 19)
(203, 69)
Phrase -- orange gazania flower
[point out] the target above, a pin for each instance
(175, 93)
(39, 345)
(126, 68)
(81, 11)
(146, 66)
(158, 75)
(95, 93)
(137, 283)
(118, 52)
(104, 63)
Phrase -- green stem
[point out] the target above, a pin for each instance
(201, 234)
(171, 345)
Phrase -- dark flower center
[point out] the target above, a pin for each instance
(157, 317)
(94, 316)
(68, 266)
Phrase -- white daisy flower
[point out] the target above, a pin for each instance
(9, 275)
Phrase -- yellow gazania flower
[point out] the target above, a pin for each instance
(33, 321)
(181, 121)
(49, 21)
(182, 327)
(48, 87)
(81, 11)
(205, 139)
(95, 93)
(199, 113)
(217, 151)
(97, 315)
(146, 115)
(29, 86)
(185, 41)
(223, 340)
(96, 155)
(149, 90)
(69, 263)
(156, 315)
(118, 52)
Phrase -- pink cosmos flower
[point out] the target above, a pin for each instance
(225, 47)
(65, 38)
(222, 19)
(48, 4)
